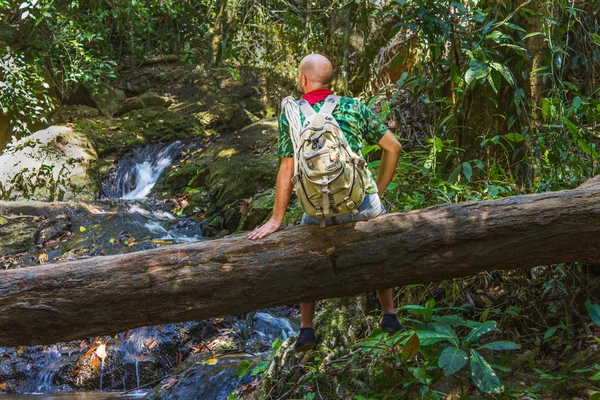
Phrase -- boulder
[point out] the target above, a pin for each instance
(49, 165)
(146, 100)
(226, 117)
(71, 113)
(120, 95)
(101, 97)
(233, 168)
(112, 137)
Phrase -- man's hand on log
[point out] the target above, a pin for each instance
(265, 230)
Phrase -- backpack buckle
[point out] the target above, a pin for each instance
(320, 215)
(351, 205)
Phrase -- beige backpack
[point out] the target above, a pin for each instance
(329, 178)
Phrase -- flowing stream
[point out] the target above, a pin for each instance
(128, 220)
(137, 173)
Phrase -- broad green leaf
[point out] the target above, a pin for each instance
(467, 170)
(505, 72)
(445, 329)
(454, 175)
(550, 332)
(497, 36)
(452, 319)
(244, 368)
(392, 186)
(411, 348)
(481, 330)
(367, 149)
(260, 368)
(402, 79)
(532, 34)
(431, 337)
(500, 345)
(593, 310)
(477, 70)
(421, 375)
(514, 137)
(492, 190)
(513, 26)
(483, 375)
(428, 310)
(494, 80)
(452, 360)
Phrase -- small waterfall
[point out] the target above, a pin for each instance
(135, 348)
(137, 172)
(45, 377)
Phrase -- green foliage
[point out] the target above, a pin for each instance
(23, 93)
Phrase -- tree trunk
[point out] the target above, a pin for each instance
(105, 295)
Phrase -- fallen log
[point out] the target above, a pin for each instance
(105, 295)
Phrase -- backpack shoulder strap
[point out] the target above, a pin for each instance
(329, 105)
(306, 108)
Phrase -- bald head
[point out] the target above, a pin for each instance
(318, 71)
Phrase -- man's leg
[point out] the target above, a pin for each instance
(307, 314)
(386, 299)
(389, 322)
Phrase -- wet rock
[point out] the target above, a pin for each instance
(202, 380)
(146, 100)
(17, 235)
(49, 165)
(269, 327)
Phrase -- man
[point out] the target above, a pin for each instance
(359, 126)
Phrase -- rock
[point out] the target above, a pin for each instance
(9, 35)
(120, 95)
(258, 210)
(49, 165)
(232, 169)
(157, 124)
(226, 118)
(269, 327)
(146, 100)
(17, 235)
(71, 113)
(204, 380)
(101, 97)
(112, 137)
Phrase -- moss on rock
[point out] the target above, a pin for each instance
(140, 127)
(233, 168)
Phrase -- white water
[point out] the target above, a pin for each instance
(148, 172)
(137, 173)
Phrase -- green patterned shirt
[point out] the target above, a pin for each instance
(358, 123)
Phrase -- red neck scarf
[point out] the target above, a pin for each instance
(316, 95)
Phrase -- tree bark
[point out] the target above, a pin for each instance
(105, 295)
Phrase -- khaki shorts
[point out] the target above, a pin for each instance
(370, 208)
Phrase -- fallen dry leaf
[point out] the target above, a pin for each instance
(101, 351)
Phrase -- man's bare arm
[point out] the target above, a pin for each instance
(283, 193)
(389, 159)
